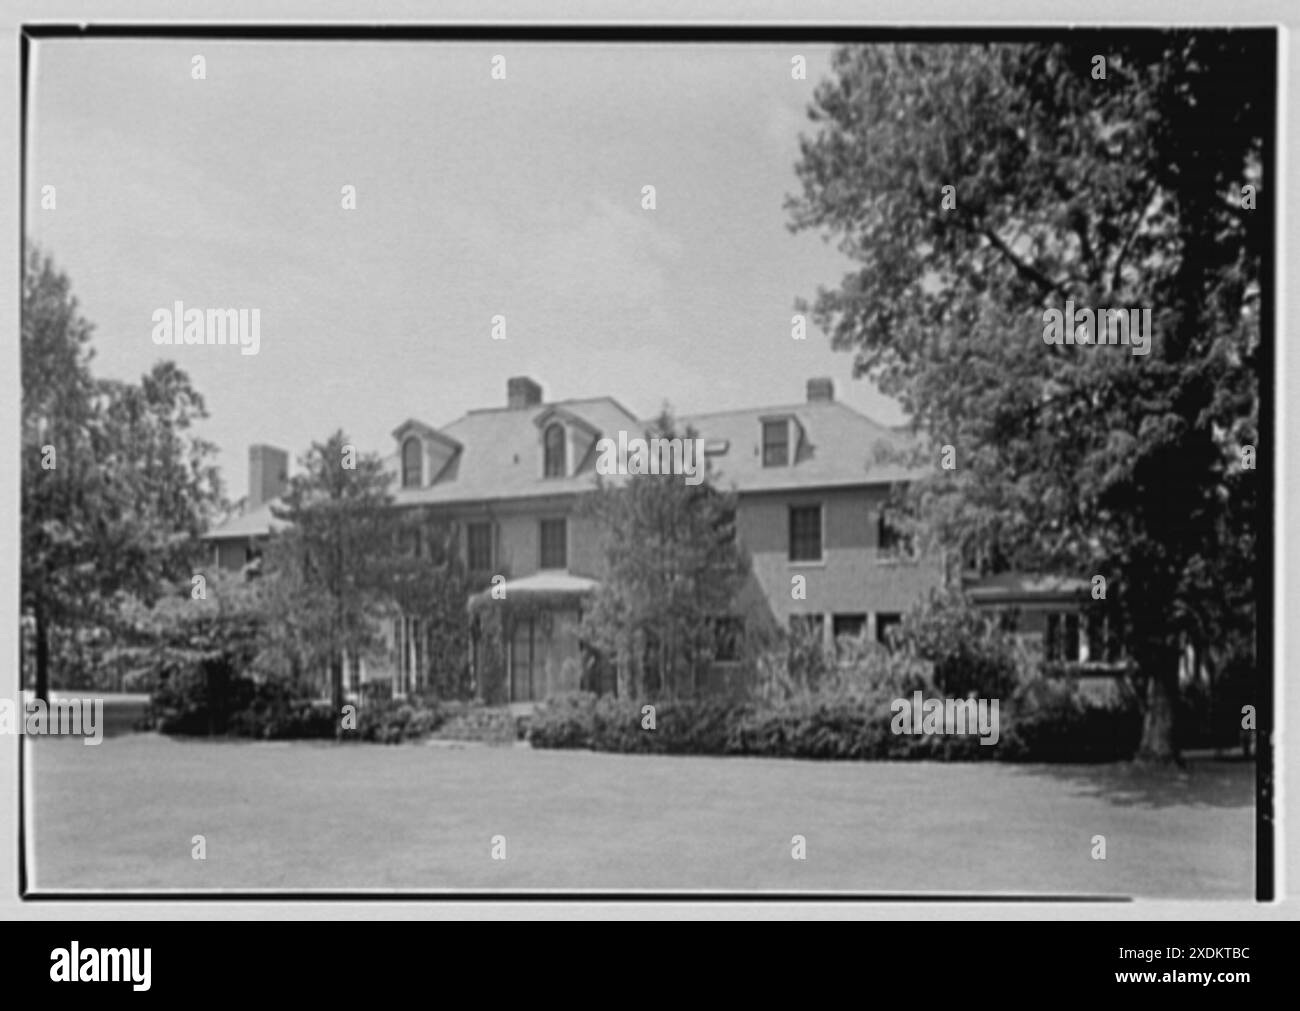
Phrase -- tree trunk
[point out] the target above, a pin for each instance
(216, 679)
(42, 656)
(336, 655)
(1159, 743)
(668, 672)
(623, 670)
(336, 690)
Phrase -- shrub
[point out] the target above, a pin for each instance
(581, 720)
(385, 720)
(803, 664)
(284, 717)
(808, 662)
(376, 691)
(616, 726)
(804, 726)
(1051, 721)
(1211, 712)
(564, 721)
(815, 726)
(1044, 722)
(464, 721)
(204, 700)
(708, 726)
(968, 649)
(179, 644)
(179, 705)
(868, 667)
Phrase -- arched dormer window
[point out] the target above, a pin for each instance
(553, 446)
(412, 463)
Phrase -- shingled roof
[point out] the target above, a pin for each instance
(498, 454)
(839, 447)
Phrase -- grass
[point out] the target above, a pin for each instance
(306, 815)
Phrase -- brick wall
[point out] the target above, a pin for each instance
(851, 576)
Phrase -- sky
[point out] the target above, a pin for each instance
(475, 197)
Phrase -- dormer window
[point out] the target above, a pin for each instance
(553, 449)
(776, 443)
(565, 441)
(424, 455)
(412, 463)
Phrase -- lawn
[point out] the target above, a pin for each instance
(306, 815)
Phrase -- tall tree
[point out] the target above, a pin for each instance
(673, 568)
(340, 552)
(163, 485)
(429, 582)
(116, 485)
(59, 473)
(979, 186)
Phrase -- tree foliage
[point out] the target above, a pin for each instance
(116, 486)
(430, 583)
(332, 567)
(672, 570)
(186, 632)
(1127, 191)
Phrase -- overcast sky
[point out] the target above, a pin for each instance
(474, 197)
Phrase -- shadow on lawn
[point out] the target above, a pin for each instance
(1202, 783)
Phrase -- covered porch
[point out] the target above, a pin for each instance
(525, 639)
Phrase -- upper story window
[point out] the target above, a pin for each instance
(776, 443)
(480, 547)
(806, 533)
(891, 540)
(412, 463)
(555, 548)
(553, 447)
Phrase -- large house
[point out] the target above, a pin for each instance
(812, 481)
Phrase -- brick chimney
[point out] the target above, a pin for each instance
(268, 474)
(820, 390)
(522, 392)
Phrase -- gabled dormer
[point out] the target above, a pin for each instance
(783, 440)
(423, 453)
(781, 437)
(564, 442)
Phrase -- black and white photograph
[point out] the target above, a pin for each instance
(661, 462)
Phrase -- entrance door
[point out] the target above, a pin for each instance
(523, 662)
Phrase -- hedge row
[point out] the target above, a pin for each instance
(195, 704)
(192, 703)
(1044, 722)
